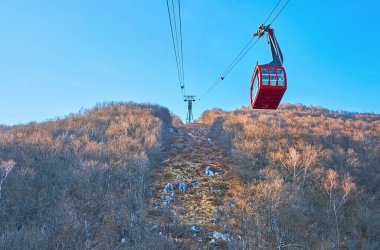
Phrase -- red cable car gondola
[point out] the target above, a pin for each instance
(268, 83)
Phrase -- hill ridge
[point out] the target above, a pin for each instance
(128, 176)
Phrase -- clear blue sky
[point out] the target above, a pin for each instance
(57, 57)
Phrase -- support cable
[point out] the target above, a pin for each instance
(236, 59)
(275, 7)
(180, 33)
(176, 39)
(245, 50)
(175, 49)
(283, 7)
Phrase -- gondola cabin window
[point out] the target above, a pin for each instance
(265, 77)
(280, 75)
(273, 78)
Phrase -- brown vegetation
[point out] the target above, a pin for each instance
(80, 182)
(297, 177)
(307, 177)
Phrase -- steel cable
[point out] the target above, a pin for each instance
(180, 33)
(283, 7)
(175, 48)
(275, 7)
(245, 50)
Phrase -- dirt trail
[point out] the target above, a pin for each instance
(191, 185)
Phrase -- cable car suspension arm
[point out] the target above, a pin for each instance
(277, 56)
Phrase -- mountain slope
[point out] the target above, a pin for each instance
(80, 182)
(298, 177)
(308, 177)
(128, 176)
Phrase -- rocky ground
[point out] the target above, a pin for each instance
(191, 187)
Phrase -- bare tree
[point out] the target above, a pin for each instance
(5, 169)
(339, 193)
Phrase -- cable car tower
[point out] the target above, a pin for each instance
(189, 99)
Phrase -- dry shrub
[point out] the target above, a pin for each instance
(286, 162)
(81, 182)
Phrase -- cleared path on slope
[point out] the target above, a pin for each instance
(191, 184)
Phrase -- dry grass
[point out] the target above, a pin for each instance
(283, 160)
(298, 175)
(80, 182)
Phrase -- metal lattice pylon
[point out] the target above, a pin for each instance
(189, 99)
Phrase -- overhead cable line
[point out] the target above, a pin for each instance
(248, 47)
(174, 35)
(228, 69)
(241, 57)
(176, 38)
(235, 62)
(245, 50)
(180, 33)
(283, 7)
(270, 14)
(237, 59)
